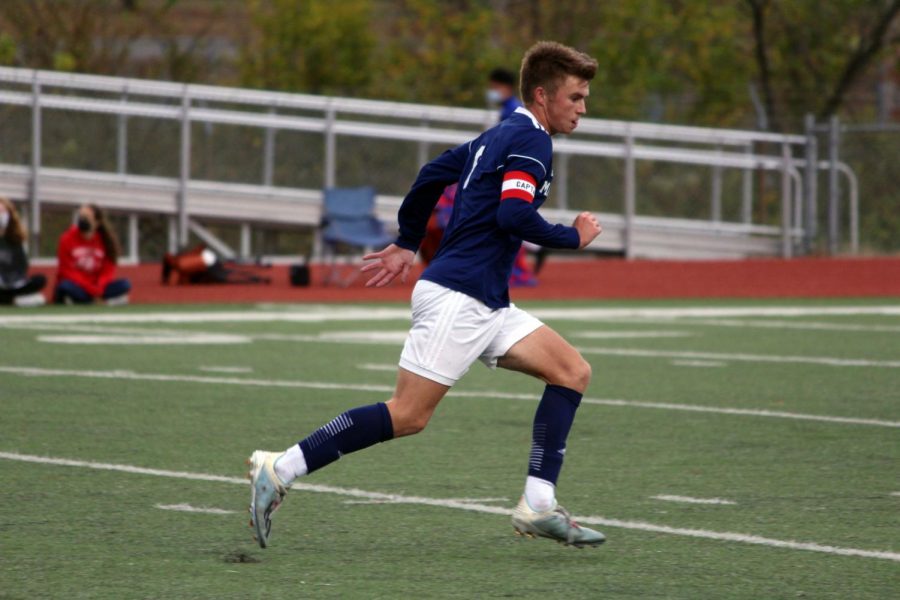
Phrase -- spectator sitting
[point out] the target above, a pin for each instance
(16, 287)
(88, 253)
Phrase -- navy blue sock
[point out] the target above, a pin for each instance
(351, 431)
(552, 423)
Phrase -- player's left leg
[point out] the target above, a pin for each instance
(406, 413)
(546, 355)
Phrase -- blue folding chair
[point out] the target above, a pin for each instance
(349, 222)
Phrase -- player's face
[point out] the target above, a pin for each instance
(567, 105)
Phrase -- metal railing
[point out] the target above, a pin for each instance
(795, 161)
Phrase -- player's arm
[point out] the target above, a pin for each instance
(425, 192)
(397, 258)
(518, 216)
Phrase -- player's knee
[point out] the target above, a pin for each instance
(577, 374)
(408, 422)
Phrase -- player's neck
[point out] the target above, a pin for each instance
(541, 116)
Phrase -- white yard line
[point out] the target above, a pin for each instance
(378, 367)
(627, 335)
(728, 356)
(386, 389)
(397, 337)
(690, 500)
(588, 314)
(786, 324)
(471, 507)
(747, 412)
(226, 369)
(321, 314)
(391, 338)
(462, 500)
(697, 363)
(195, 509)
(895, 493)
(145, 339)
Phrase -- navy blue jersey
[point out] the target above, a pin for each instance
(504, 176)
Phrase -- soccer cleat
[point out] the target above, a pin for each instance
(266, 493)
(555, 524)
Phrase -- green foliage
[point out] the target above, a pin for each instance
(7, 49)
(314, 46)
(437, 55)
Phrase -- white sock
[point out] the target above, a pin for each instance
(291, 465)
(540, 494)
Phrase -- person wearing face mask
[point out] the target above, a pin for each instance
(501, 92)
(88, 252)
(16, 287)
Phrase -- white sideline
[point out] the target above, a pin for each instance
(690, 500)
(146, 339)
(225, 369)
(397, 337)
(392, 367)
(804, 325)
(765, 358)
(387, 389)
(472, 507)
(392, 338)
(464, 500)
(697, 363)
(612, 334)
(321, 314)
(195, 509)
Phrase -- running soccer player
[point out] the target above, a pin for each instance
(460, 307)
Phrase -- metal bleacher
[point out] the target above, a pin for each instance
(186, 199)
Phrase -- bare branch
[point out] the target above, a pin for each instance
(758, 10)
(867, 50)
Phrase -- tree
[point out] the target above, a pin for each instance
(99, 36)
(810, 54)
(313, 46)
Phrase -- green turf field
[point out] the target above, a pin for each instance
(111, 431)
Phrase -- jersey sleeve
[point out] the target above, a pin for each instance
(526, 168)
(520, 218)
(425, 192)
(528, 159)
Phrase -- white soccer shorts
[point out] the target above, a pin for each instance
(450, 330)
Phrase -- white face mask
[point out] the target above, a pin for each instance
(4, 221)
(493, 96)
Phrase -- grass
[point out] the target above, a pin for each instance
(78, 532)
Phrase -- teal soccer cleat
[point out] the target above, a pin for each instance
(555, 524)
(266, 493)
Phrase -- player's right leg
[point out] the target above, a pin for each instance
(271, 473)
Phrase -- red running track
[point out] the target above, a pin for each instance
(574, 280)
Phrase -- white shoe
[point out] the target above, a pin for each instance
(117, 300)
(267, 492)
(556, 524)
(28, 300)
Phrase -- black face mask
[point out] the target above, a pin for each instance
(84, 226)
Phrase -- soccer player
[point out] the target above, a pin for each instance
(461, 308)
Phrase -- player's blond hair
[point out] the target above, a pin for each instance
(546, 65)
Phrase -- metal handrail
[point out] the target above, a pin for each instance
(471, 116)
(189, 103)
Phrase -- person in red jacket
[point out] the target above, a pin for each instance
(87, 254)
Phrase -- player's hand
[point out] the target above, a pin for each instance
(391, 261)
(588, 228)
